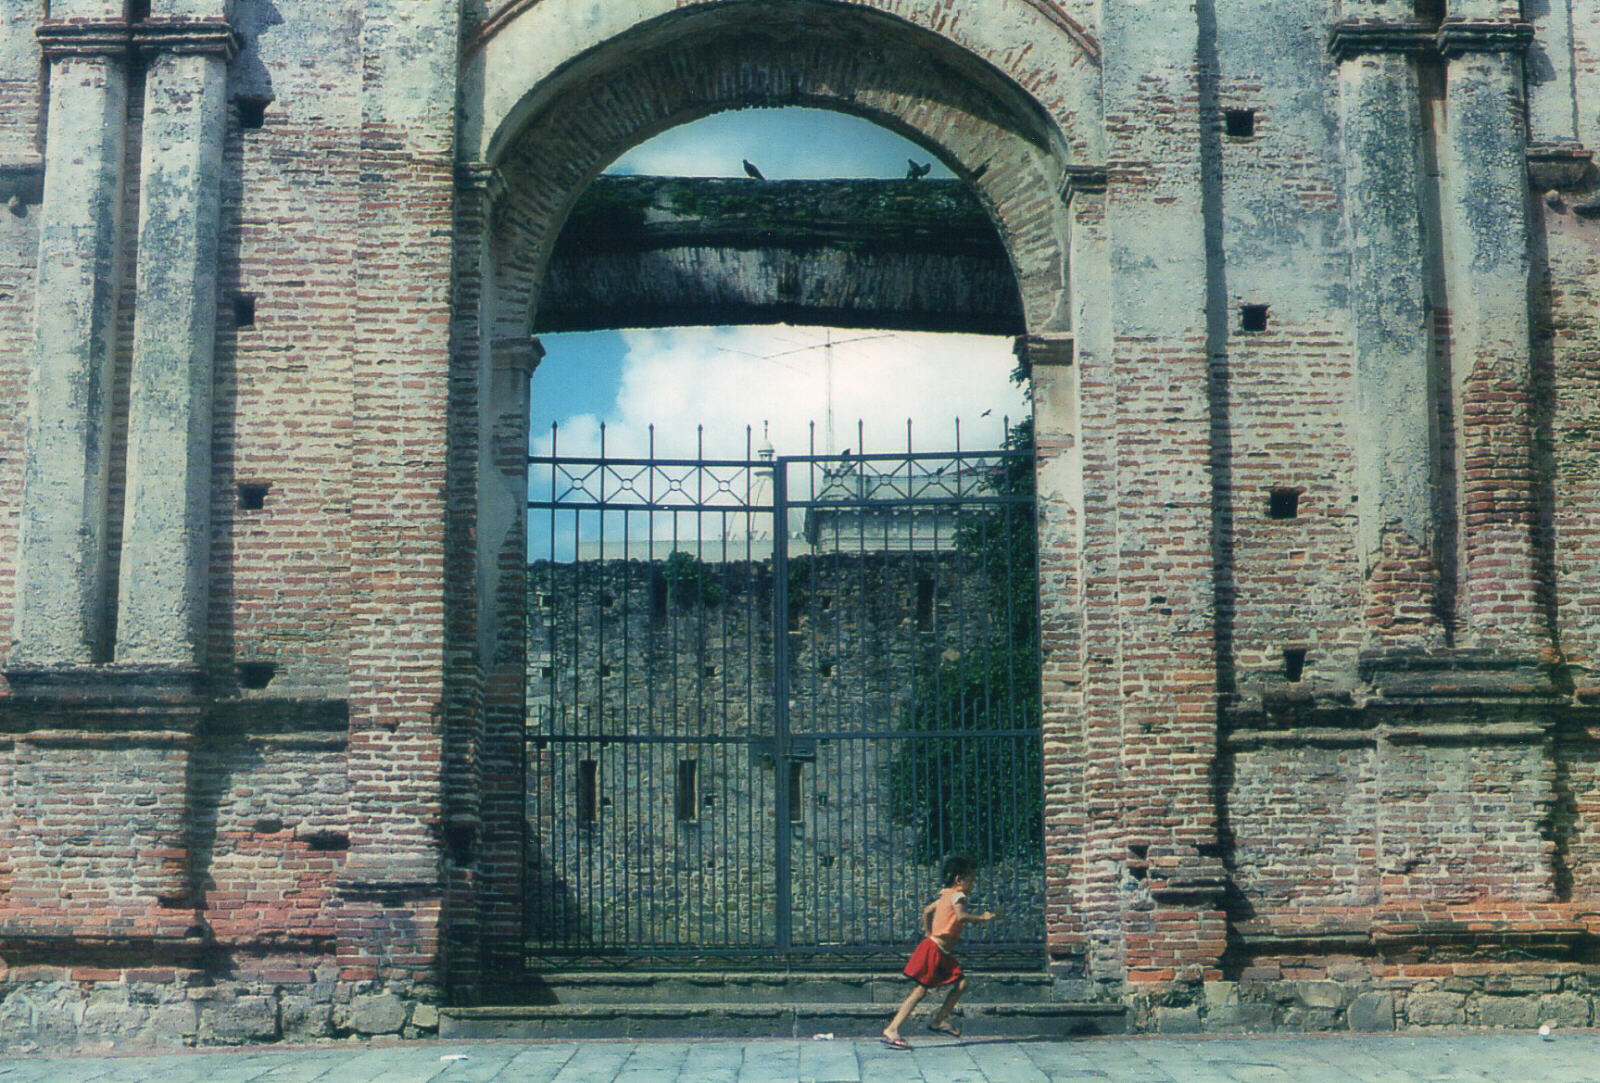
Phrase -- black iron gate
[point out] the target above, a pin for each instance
(768, 694)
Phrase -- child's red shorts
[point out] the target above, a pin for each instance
(931, 965)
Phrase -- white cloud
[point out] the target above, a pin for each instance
(719, 380)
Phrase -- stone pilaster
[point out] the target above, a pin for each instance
(1094, 879)
(404, 500)
(502, 373)
(61, 613)
(1158, 693)
(1059, 487)
(1482, 155)
(502, 519)
(1381, 125)
(166, 529)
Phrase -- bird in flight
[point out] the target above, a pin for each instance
(751, 170)
(915, 171)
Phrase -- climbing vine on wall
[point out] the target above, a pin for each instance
(689, 581)
(970, 780)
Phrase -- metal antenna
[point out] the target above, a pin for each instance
(827, 354)
(826, 346)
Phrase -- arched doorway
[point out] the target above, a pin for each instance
(543, 145)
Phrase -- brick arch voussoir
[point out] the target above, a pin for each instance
(1007, 149)
(1030, 43)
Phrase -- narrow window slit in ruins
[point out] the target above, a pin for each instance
(1283, 504)
(326, 841)
(797, 811)
(588, 791)
(256, 675)
(252, 112)
(658, 598)
(1294, 663)
(688, 797)
(924, 604)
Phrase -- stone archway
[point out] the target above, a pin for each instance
(1031, 159)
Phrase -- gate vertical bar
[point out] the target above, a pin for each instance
(783, 927)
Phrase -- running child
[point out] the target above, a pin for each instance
(934, 964)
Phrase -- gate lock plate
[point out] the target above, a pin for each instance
(764, 750)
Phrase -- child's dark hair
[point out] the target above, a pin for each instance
(957, 867)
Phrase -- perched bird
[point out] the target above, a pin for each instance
(980, 171)
(751, 170)
(915, 171)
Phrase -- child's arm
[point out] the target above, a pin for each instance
(926, 920)
(967, 917)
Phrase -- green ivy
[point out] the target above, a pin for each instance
(981, 796)
(689, 582)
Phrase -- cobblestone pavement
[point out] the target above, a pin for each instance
(1502, 1057)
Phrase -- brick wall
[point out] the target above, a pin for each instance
(1304, 826)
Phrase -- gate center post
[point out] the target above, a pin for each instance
(783, 915)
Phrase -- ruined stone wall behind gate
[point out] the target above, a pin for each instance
(615, 650)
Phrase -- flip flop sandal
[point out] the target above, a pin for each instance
(895, 1043)
(945, 1028)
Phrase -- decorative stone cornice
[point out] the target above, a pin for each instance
(1454, 37)
(1460, 36)
(1559, 166)
(480, 177)
(1082, 180)
(516, 356)
(22, 180)
(1422, 677)
(94, 686)
(63, 39)
(119, 38)
(187, 37)
(1359, 37)
(1056, 349)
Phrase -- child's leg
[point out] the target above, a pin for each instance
(907, 1006)
(949, 1005)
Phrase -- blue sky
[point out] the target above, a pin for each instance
(787, 144)
(730, 377)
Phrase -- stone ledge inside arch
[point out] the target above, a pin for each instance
(674, 250)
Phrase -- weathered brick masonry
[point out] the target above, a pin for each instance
(1309, 294)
